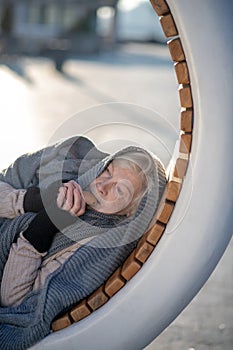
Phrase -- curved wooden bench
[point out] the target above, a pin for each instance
(150, 239)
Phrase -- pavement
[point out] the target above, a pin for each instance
(126, 94)
(134, 85)
(207, 322)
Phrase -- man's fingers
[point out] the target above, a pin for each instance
(70, 198)
(68, 204)
(79, 205)
(61, 196)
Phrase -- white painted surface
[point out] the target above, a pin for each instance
(189, 251)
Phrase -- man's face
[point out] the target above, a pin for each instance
(116, 188)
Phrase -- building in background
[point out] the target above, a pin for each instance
(57, 28)
(33, 26)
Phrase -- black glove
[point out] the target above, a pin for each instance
(36, 199)
(42, 229)
(32, 200)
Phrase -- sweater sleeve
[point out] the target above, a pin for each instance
(11, 201)
(20, 272)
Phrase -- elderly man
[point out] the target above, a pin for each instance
(66, 244)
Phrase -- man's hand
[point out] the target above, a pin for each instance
(70, 198)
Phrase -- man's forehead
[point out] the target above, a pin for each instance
(124, 164)
(141, 160)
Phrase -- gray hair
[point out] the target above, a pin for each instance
(143, 165)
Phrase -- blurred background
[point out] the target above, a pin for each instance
(71, 66)
(102, 68)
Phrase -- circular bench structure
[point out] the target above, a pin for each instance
(193, 224)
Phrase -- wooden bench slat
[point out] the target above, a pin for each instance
(182, 73)
(185, 96)
(61, 323)
(80, 311)
(176, 50)
(164, 211)
(185, 143)
(97, 299)
(143, 250)
(160, 7)
(186, 120)
(173, 190)
(155, 232)
(180, 168)
(114, 283)
(168, 25)
(130, 267)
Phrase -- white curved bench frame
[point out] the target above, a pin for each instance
(196, 236)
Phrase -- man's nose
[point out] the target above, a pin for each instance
(104, 186)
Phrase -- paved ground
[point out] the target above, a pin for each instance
(37, 100)
(134, 85)
(207, 323)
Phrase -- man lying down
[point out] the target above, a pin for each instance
(70, 214)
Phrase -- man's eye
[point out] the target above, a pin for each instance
(120, 191)
(107, 172)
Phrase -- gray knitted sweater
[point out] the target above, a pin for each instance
(76, 158)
